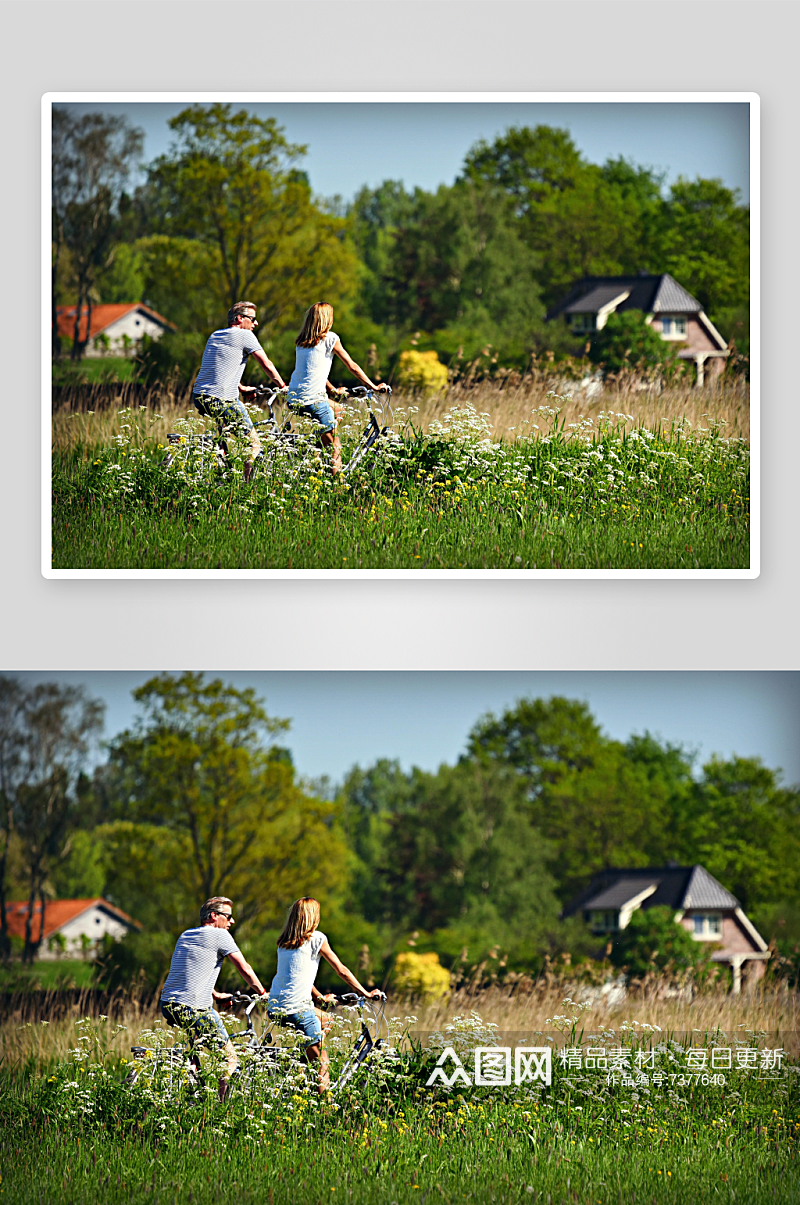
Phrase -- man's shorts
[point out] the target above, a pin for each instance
(321, 412)
(227, 414)
(201, 1022)
(305, 1021)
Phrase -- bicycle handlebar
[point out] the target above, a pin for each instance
(354, 998)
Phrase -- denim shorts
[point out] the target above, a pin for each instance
(227, 414)
(321, 412)
(305, 1021)
(200, 1022)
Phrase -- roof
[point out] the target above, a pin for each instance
(57, 913)
(620, 893)
(103, 316)
(593, 301)
(677, 887)
(660, 294)
(703, 891)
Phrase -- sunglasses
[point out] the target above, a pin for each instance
(227, 915)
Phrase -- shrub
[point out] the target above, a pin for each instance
(421, 370)
(420, 975)
(174, 351)
(626, 341)
(653, 941)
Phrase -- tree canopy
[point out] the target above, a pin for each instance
(227, 214)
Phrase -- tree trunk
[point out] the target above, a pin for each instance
(76, 330)
(55, 337)
(5, 943)
(29, 952)
(41, 919)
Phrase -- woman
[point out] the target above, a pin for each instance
(300, 947)
(317, 344)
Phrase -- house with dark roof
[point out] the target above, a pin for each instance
(700, 903)
(69, 927)
(678, 317)
(116, 329)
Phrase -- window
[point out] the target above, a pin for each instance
(673, 328)
(583, 322)
(707, 926)
(604, 922)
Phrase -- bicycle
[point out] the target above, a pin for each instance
(374, 1033)
(259, 1056)
(280, 441)
(179, 1065)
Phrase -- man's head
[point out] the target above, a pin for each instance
(217, 912)
(243, 314)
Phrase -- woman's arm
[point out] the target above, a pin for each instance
(357, 372)
(348, 976)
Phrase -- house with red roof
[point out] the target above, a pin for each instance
(116, 329)
(71, 927)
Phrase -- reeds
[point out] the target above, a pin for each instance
(45, 1025)
(771, 1010)
(88, 416)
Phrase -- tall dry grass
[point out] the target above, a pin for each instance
(774, 1011)
(91, 418)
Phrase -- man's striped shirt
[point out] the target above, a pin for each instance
(196, 964)
(223, 363)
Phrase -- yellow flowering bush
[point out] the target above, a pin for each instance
(422, 371)
(420, 975)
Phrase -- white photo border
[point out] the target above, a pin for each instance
(750, 98)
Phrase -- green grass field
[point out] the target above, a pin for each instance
(43, 975)
(73, 1131)
(604, 496)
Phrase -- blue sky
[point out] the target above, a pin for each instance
(423, 718)
(424, 144)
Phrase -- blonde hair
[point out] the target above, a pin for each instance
(212, 905)
(316, 324)
(301, 922)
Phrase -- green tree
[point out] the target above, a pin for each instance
(579, 219)
(92, 159)
(654, 941)
(593, 805)
(745, 829)
(706, 246)
(216, 806)
(241, 223)
(534, 166)
(375, 216)
(462, 261)
(462, 853)
(369, 799)
(46, 735)
(542, 739)
(122, 279)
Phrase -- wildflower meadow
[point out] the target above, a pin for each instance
(555, 489)
(633, 1111)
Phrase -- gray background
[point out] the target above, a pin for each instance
(449, 46)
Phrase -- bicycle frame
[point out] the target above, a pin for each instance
(280, 432)
(373, 1036)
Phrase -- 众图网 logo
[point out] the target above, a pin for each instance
(494, 1066)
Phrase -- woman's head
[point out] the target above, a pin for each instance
(301, 922)
(316, 324)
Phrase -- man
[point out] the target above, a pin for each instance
(218, 385)
(189, 991)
